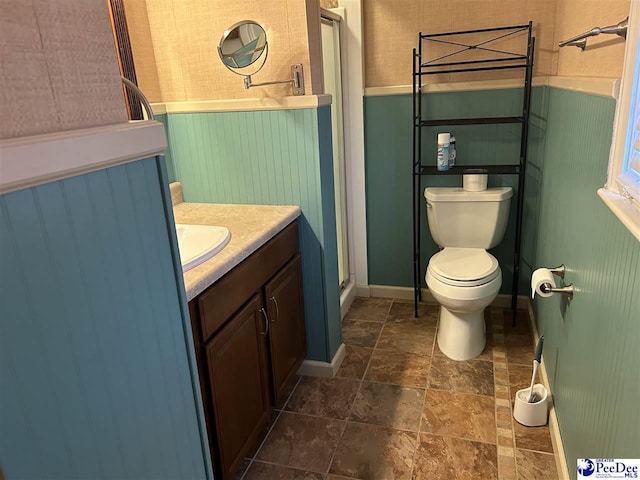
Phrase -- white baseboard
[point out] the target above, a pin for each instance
(347, 296)
(554, 427)
(401, 293)
(314, 368)
(406, 293)
(362, 291)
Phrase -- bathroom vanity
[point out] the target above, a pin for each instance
(247, 317)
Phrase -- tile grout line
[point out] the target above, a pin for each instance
(541, 452)
(404, 385)
(357, 393)
(386, 315)
(299, 469)
(253, 458)
(364, 374)
(312, 415)
(417, 444)
(505, 454)
(424, 398)
(358, 422)
(462, 393)
(352, 319)
(511, 420)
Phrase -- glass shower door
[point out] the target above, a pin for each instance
(333, 86)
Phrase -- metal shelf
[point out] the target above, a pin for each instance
(476, 69)
(480, 30)
(500, 60)
(462, 169)
(473, 62)
(470, 121)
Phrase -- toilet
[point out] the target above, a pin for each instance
(463, 277)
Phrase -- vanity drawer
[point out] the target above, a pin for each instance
(218, 303)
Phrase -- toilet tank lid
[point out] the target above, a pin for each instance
(456, 194)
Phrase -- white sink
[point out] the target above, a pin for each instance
(198, 243)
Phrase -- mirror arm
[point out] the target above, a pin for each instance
(297, 80)
(248, 83)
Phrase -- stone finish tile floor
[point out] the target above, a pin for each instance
(399, 409)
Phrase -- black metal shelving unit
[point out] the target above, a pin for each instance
(499, 60)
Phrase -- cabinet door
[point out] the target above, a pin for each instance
(287, 337)
(239, 386)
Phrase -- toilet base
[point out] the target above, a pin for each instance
(461, 335)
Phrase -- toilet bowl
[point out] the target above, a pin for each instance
(464, 281)
(463, 277)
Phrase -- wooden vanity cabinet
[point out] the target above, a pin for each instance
(239, 383)
(250, 340)
(287, 336)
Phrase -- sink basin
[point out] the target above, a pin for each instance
(198, 243)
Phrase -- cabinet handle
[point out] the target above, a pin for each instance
(273, 299)
(266, 322)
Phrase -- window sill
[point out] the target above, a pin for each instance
(622, 208)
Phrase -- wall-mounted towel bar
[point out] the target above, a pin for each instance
(580, 41)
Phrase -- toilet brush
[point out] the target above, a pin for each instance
(534, 397)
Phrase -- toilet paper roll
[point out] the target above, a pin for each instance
(540, 277)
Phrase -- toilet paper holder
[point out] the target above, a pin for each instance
(558, 271)
(566, 290)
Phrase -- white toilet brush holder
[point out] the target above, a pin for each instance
(532, 414)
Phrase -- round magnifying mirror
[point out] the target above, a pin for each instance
(243, 44)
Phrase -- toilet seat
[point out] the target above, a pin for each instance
(464, 267)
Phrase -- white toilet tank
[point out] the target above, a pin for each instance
(458, 218)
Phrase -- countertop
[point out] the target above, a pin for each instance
(251, 226)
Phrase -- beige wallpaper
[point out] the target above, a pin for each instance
(391, 32)
(142, 48)
(328, 3)
(604, 54)
(174, 41)
(58, 67)
(388, 55)
(184, 34)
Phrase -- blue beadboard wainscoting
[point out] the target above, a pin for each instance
(591, 349)
(388, 156)
(271, 157)
(97, 376)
